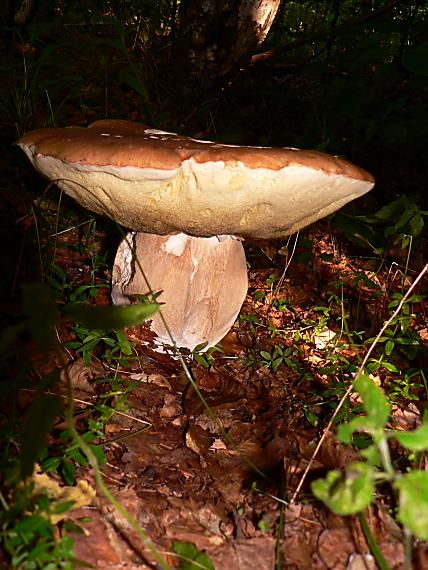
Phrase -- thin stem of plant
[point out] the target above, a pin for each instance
(371, 541)
(385, 457)
(284, 272)
(358, 373)
(84, 447)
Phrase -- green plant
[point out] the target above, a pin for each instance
(405, 386)
(399, 341)
(205, 359)
(55, 275)
(67, 290)
(68, 453)
(403, 220)
(27, 534)
(398, 223)
(249, 318)
(191, 558)
(352, 490)
(115, 345)
(277, 357)
(38, 87)
(104, 325)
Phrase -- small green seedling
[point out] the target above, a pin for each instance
(277, 357)
(190, 557)
(205, 359)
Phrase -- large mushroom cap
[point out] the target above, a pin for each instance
(158, 182)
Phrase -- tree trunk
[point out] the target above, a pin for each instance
(215, 37)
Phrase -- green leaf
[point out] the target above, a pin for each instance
(79, 291)
(72, 527)
(53, 283)
(38, 421)
(347, 493)
(51, 464)
(416, 440)
(390, 367)
(105, 318)
(191, 557)
(68, 471)
(259, 295)
(62, 507)
(277, 351)
(86, 358)
(77, 456)
(276, 363)
(372, 456)
(30, 524)
(59, 271)
(404, 218)
(375, 404)
(415, 298)
(389, 212)
(99, 454)
(90, 345)
(362, 423)
(73, 344)
(91, 336)
(413, 502)
(200, 359)
(311, 417)
(408, 341)
(376, 407)
(416, 225)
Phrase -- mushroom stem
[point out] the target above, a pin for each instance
(203, 283)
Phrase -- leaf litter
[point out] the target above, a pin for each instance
(220, 479)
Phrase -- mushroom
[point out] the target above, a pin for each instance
(189, 203)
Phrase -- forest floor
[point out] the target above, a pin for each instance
(222, 478)
(183, 480)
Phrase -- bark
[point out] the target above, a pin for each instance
(255, 18)
(216, 37)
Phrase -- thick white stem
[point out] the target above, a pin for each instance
(203, 283)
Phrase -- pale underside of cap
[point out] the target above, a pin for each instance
(157, 182)
(203, 283)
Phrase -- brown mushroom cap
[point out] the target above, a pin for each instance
(157, 182)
